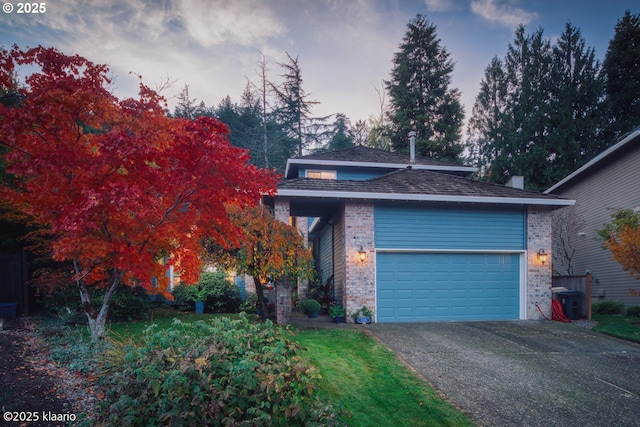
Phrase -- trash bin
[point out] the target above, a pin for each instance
(570, 301)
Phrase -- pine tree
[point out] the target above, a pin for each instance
(294, 107)
(420, 95)
(622, 73)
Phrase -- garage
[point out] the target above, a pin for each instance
(416, 287)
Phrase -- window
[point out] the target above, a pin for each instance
(318, 174)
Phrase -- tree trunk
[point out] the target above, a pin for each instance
(97, 319)
(264, 309)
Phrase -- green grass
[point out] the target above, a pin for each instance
(370, 386)
(365, 382)
(618, 326)
(161, 317)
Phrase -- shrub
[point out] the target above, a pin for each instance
(218, 294)
(249, 303)
(607, 307)
(127, 303)
(311, 306)
(633, 311)
(220, 372)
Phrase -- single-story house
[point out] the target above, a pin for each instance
(415, 239)
(609, 180)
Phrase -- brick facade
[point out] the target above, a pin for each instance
(359, 276)
(538, 275)
(283, 287)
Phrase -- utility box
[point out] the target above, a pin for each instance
(570, 301)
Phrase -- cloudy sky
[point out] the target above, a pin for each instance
(345, 47)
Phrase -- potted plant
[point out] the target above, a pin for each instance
(362, 315)
(311, 308)
(337, 313)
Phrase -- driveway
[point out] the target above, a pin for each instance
(524, 373)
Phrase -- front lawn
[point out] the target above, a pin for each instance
(371, 387)
(619, 326)
(363, 380)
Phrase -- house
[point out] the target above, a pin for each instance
(610, 180)
(416, 240)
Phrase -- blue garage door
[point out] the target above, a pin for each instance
(415, 287)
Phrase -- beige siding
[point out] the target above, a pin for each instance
(616, 185)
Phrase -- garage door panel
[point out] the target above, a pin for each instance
(446, 286)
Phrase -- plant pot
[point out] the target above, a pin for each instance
(338, 319)
(363, 320)
(313, 315)
(199, 307)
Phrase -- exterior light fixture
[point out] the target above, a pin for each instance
(542, 256)
(362, 255)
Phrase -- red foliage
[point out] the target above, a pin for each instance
(116, 183)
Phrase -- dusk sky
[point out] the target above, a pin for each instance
(345, 47)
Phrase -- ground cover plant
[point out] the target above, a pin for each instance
(369, 386)
(218, 372)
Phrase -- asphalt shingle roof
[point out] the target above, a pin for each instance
(362, 154)
(414, 182)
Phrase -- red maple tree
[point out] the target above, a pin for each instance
(268, 250)
(116, 184)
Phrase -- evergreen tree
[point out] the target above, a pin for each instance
(486, 144)
(528, 69)
(294, 107)
(189, 108)
(622, 76)
(575, 134)
(420, 96)
(341, 135)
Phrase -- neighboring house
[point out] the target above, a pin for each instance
(610, 180)
(436, 244)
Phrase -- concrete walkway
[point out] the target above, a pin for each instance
(524, 373)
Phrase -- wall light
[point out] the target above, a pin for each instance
(362, 255)
(542, 256)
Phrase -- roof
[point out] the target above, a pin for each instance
(366, 157)
(417, 185)
(629, 142)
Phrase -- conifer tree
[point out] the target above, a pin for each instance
(622, 76)
(421, 98)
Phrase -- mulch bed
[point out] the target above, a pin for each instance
(31, 382)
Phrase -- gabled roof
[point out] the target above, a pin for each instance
(629, 142)
(366, 157)
(417, 185)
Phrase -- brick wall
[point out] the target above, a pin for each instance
(283, 287)
(359, 277)
(538, 275)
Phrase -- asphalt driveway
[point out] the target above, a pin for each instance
(524, 373)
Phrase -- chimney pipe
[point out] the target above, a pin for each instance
(412, 146)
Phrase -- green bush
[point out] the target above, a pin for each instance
(633, 311)
(127, 303)
(311, 306)
(607, 307)
(221, 372)
(249, 305)
(218, 294)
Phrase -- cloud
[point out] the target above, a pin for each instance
(439, 5)
(503, 13)
(228, 21)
